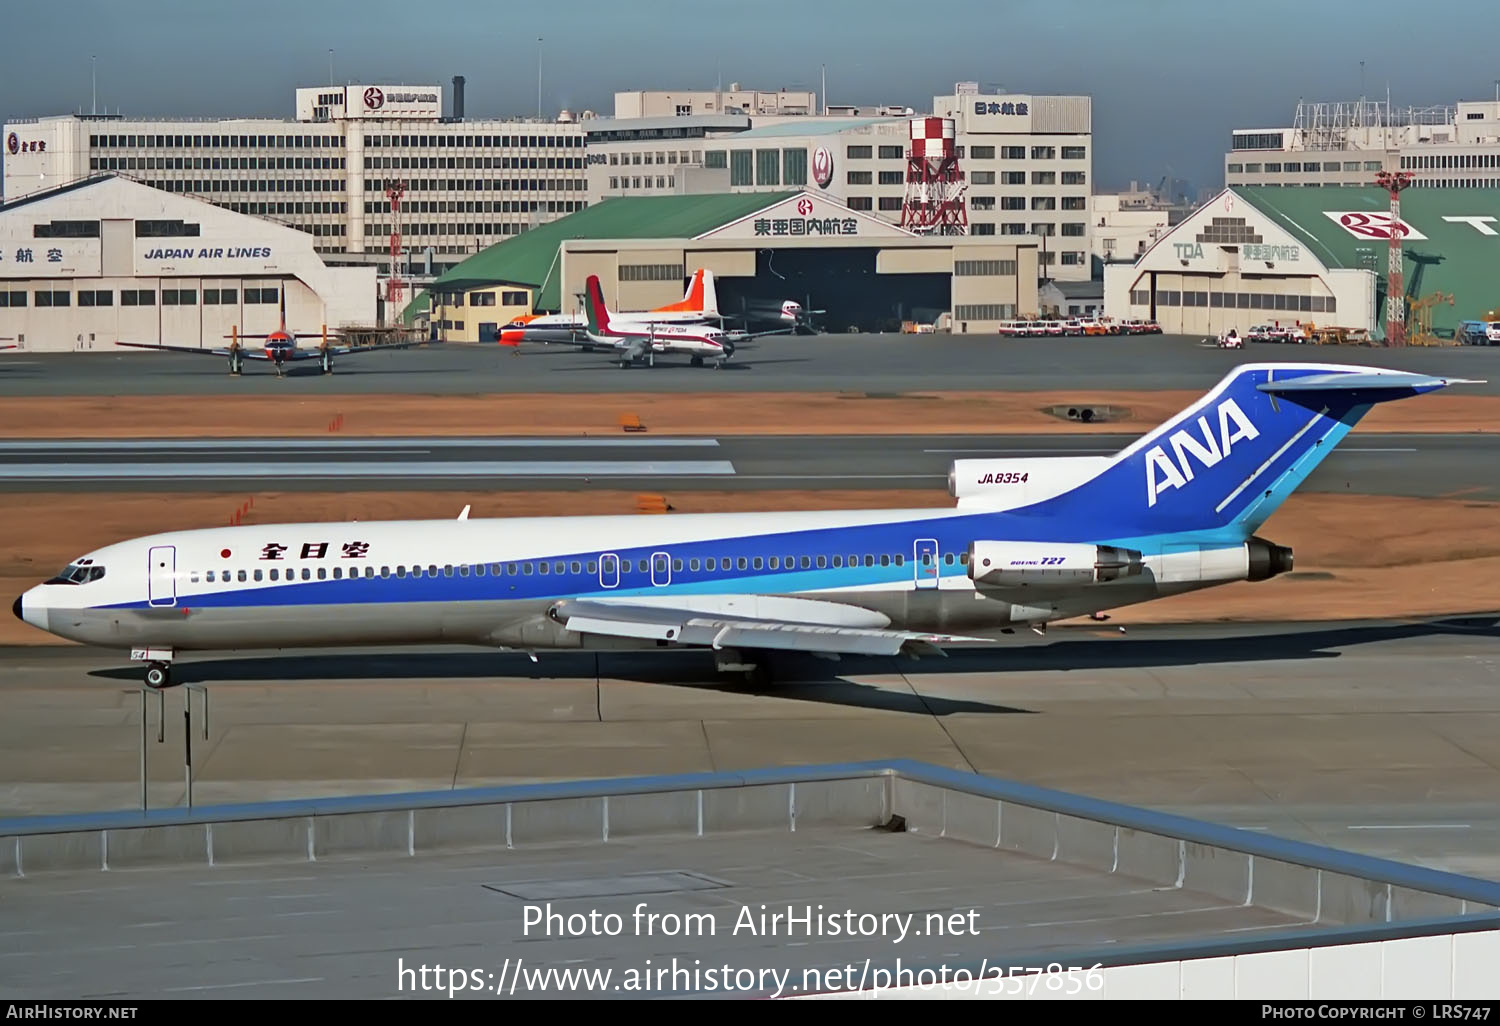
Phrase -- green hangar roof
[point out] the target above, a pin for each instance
(1452, 245)
(531, 257)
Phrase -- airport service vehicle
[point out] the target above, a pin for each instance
(1479, 333)
(1029, 541)
(278, 347)
(1229, 340)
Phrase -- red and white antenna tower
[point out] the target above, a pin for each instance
(934, 182)
(1395, 289)
(394, 287)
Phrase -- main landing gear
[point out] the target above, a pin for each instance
(236, 361)
(327, 362)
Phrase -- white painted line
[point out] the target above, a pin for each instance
(261, 444)
(1413, 826)
(1059, 451)
(248, 983)
(378, 470)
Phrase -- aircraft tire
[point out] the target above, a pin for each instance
(159, 676)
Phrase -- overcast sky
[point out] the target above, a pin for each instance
(1169, 78)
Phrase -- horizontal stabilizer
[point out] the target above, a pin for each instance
(1381, 381)
(689, 627)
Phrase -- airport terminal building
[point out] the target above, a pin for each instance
(468, 183)
(867, 274)
(109, 259)
(1274, 255)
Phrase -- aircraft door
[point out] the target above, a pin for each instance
(609, 570)
(925, 562)
(161, 575)
(661, 569)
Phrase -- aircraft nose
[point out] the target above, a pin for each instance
(29, 612)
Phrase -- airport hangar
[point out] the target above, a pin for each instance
(867, 274)
(1316, 254)
(108, 258)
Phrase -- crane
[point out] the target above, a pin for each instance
(393, 289)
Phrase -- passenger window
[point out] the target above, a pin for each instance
(693, 564)
(416, 571)
(838, 560)
(510, 569)
(822, 562)
(757, 562)
(593, 567)
(463, 571)
(369, 571)
(711, 563)
(322, 573)
(775, 563)
(885, 560)
(242, 575)
(948, 559)
(400, 571)
(544, 568)
(644, 566)
(495, 569)
(194, 578)
(306, 574)
(577, 567)
(740, 562)
(963, 559)
(526, 569)
(257, 575)
(806, 562)
(447, 571)
(338, 573)
(432, 571)
(275, 574)
(869, 560)
(900, 559)
(385, 571)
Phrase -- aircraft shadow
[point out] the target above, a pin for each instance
(807, 678)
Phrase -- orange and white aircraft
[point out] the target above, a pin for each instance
(278, 347)
(698, 306)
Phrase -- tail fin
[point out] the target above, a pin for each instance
(1219, 469)
(595, 311)
(709, 299)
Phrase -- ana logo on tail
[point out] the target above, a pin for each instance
(1175, 471)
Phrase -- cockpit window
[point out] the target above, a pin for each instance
(82, 572)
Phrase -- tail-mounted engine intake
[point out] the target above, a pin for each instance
(1266, 560)
(1004, 564)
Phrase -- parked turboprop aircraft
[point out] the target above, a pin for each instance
(1030, 541)
(280, 347)
(699, 305)
(635, 341)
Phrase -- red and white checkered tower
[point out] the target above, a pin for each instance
(934, 182)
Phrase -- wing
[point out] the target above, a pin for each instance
(249, 354)
(718, 630)
(315, 351)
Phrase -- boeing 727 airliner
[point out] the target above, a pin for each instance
(1029, 541)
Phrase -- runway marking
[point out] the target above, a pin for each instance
(248, 983)
(260, 444)
(425, 468)
(1413, 826)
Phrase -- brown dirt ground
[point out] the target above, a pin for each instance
(1357, 556)
(685, 414)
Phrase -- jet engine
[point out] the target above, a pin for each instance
(1017, 564)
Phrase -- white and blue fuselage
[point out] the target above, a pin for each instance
(1030, 541)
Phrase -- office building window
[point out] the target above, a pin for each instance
(891, 153)
(897, 177)
(741, 168)
(1074, 153)
(982, 152)
(859, 178)
(794, 167)
(858, 152)
(982, 178)
(767, 167)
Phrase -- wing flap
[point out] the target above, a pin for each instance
(691, 627)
